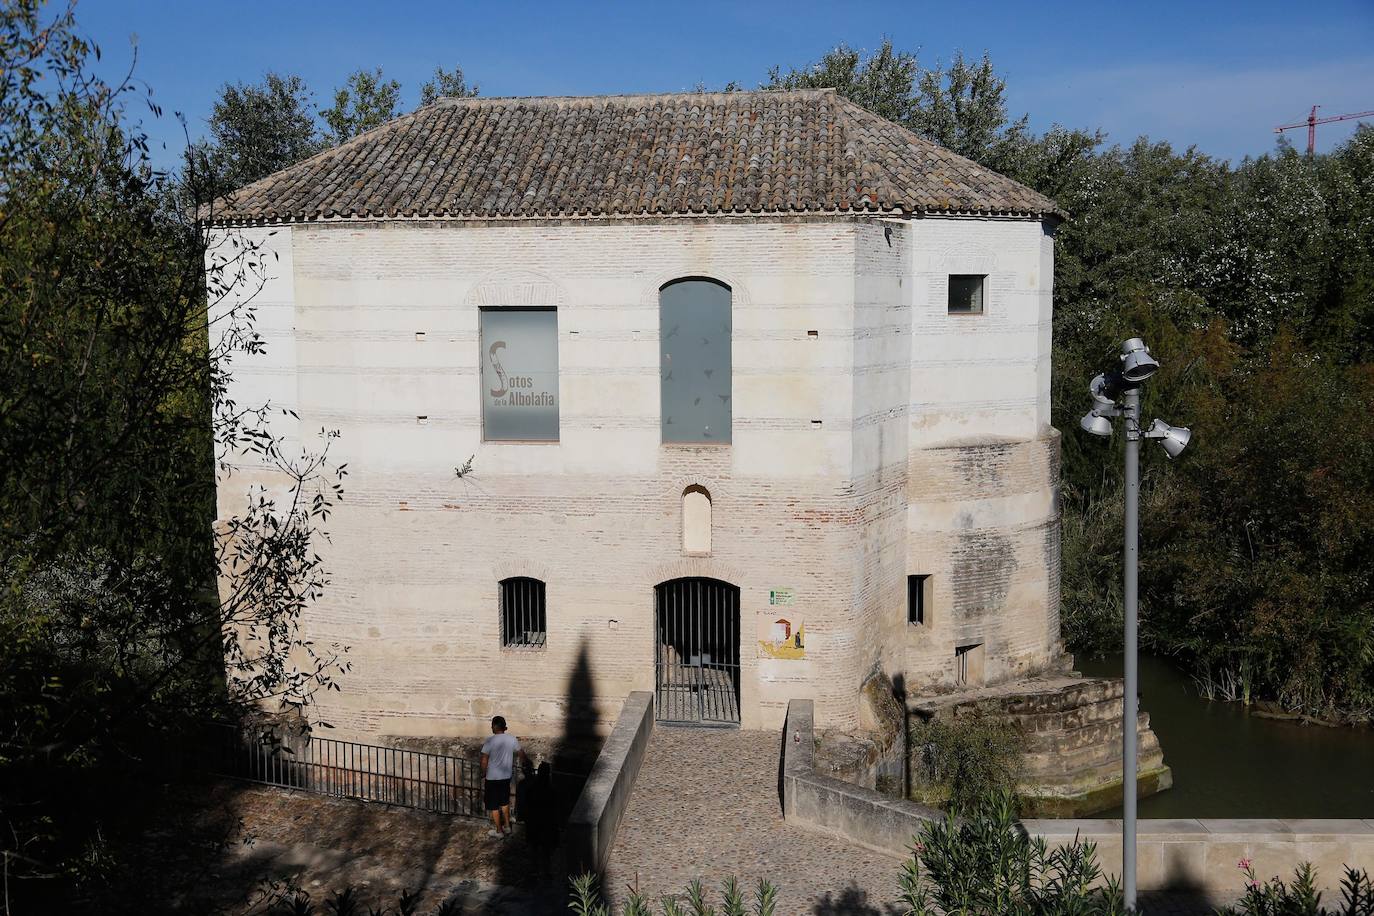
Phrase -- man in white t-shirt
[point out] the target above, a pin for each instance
(498, 765)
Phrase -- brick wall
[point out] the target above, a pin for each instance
(838, 510)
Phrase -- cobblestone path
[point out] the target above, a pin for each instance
(706, 806)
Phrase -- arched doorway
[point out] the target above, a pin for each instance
(696, 651)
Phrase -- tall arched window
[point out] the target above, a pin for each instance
(694, 360)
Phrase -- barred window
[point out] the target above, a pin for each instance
(523, 622)
(917, 598)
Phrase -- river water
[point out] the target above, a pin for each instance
(1230, 763)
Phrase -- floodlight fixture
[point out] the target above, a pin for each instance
(1096, 424)
(1136, 362)
(1173, 438)
(1116, 393)
(1102, 393)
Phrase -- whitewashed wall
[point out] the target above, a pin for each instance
(841, 479)
(983, 471)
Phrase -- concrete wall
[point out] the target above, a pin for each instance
(983, 460)
(1171, 854)
(1204, 854)
(842, 809)
(592, 826)
(895, 440)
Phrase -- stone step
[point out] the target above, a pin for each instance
(1106, 753)
(1090, 777)
(1070, 718)
(1033, 703)
(1104, 731)
(1075, 717)
(1072, 729)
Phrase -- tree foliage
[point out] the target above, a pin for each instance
(366, 100)
(979, 860)
(446, 84)
(1254, 284)
(116, 639)
(257, 129)
(961, 108)
(884, 82)
(955, 760)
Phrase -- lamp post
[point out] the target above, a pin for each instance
(1117, 394)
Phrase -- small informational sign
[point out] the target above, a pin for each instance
(781, 597)
(781, 636)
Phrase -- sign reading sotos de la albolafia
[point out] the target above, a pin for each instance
(520, 374)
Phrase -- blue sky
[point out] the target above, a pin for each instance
(1217, 75)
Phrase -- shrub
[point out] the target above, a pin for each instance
(1301, 898)
(955, 761)
(984, 863)
(586, 901)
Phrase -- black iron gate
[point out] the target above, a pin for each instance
(696, 651)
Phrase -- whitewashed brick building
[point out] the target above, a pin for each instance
(756, 390)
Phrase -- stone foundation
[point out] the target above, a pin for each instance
(1072, 730)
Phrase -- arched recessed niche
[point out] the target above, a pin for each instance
(696, 520)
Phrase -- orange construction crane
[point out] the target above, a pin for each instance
(1312, 122)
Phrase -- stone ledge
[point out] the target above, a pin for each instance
(861, 816)
(1191, 828)
(596, 817)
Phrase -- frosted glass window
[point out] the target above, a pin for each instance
(694, 361)
(520, 374)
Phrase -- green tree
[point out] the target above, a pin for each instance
(446, 84)
(365, 100)
(1255, 284)
(257, 129)
(963, 109)
(131, 609)
(884, 82)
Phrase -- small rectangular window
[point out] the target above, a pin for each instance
(917, 588)
(524, 624)
(520, 374)
(966, 294)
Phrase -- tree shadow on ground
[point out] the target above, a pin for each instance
(246, 838)
(524, 862)
(852, 901)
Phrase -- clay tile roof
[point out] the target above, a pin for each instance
(807, 151)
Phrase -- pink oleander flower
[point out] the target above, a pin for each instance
(1243, 864)
(1253, 884)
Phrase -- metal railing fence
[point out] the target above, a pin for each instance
(348, 769)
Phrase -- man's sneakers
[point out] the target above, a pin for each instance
(495, 834)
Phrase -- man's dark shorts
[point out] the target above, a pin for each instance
(498, 793)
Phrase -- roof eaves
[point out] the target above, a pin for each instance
(1044, 206)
